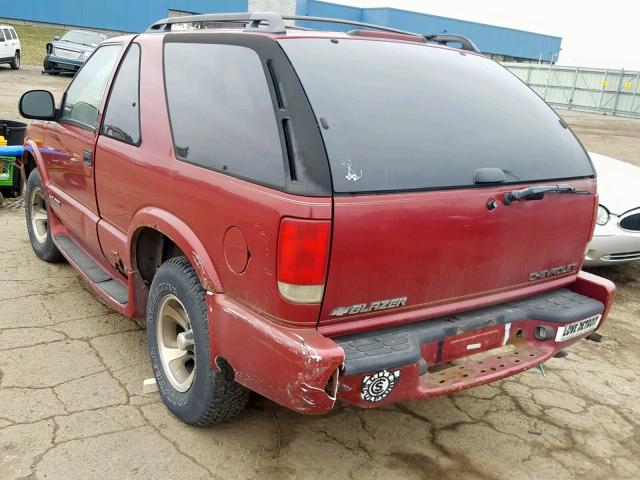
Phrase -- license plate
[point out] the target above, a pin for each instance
(577, 328)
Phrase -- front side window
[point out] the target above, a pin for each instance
(84, 96)
(14, 35)
(122, 115)
(2, 39)
(221, 112)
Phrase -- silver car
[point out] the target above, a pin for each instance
(616, 238)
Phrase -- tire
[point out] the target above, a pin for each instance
(47, 67)
(195, 392)
(39, 229)
(15, 65)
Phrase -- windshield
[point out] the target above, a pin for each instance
(399, 116)
(85, 38)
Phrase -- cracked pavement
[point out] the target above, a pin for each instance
(72, 407)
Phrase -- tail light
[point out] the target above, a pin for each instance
(303, 254)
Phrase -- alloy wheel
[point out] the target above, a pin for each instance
(175, 343)
(39, 215)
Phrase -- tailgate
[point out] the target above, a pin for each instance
(405, 251)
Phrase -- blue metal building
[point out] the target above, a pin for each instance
(504, 43)
(117, 15)
(132, 16)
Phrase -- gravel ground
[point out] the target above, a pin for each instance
(71, 402)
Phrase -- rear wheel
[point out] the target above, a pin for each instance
(15, 64)
(178, 338)
(37, 214)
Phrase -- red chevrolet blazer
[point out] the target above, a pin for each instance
(370, 216)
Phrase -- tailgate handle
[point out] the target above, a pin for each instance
(87, 157)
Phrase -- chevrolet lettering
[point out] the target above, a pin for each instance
(553, 272)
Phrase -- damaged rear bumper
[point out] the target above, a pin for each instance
(295, 367)
(306, 371)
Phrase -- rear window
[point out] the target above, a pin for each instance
(397, 116)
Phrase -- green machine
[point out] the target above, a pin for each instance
(11, 139)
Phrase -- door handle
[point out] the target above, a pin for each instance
(87, 157)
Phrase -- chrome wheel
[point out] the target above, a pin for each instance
(39, 215)
(175, 343)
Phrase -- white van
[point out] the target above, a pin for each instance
(9, 47)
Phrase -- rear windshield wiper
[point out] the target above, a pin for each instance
(537, 193)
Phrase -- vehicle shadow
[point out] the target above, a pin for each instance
(621, 274)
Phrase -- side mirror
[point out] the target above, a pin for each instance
(38, 105)
(57, 37)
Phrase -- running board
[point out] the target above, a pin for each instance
(94, 272)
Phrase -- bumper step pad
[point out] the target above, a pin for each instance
(398, 346)
(458, 376)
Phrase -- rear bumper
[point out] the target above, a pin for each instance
(306, 371)
(295, 367)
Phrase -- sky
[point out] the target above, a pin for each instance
(594, 33)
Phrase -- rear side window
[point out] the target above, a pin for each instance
(2, 39)
(122, 117)
(221, 112)
(403, 116)
(14, 35)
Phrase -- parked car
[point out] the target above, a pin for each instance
(314, 216)
(68, 53)
(616, 238)
(9, 47)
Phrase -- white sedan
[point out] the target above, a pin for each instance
(616, 238)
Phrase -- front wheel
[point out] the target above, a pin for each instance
(178, 338)
(48, 69)
(37, 216)
(15, 64)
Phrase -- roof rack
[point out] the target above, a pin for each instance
(252, 21)
(274, 23)
(446, 39)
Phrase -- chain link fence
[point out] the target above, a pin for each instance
(615, 92)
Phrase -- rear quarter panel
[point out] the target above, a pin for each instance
(152, 188)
